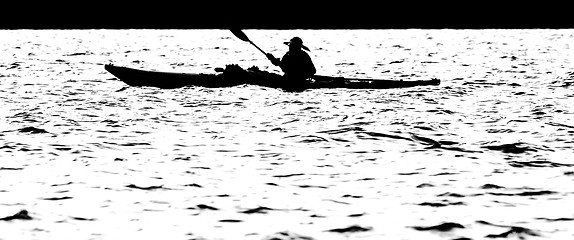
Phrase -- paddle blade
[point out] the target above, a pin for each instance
(239, 34)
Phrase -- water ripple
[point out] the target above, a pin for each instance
(469, 159)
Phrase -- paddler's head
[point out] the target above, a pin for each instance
(295, 44)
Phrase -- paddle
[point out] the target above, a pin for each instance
(241, 35)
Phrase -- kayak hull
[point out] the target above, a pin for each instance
(234, 76)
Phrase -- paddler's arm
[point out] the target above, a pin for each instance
(273, 59)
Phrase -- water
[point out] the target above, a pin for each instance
(485, 154)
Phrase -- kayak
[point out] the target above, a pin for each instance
(233, 75)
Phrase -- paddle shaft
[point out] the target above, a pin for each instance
(252, 43)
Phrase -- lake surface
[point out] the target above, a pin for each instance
(487, 154)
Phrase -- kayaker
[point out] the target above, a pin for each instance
(296, 63)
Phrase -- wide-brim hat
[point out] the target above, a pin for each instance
(297, 41)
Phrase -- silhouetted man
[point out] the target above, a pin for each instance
(296, 63)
